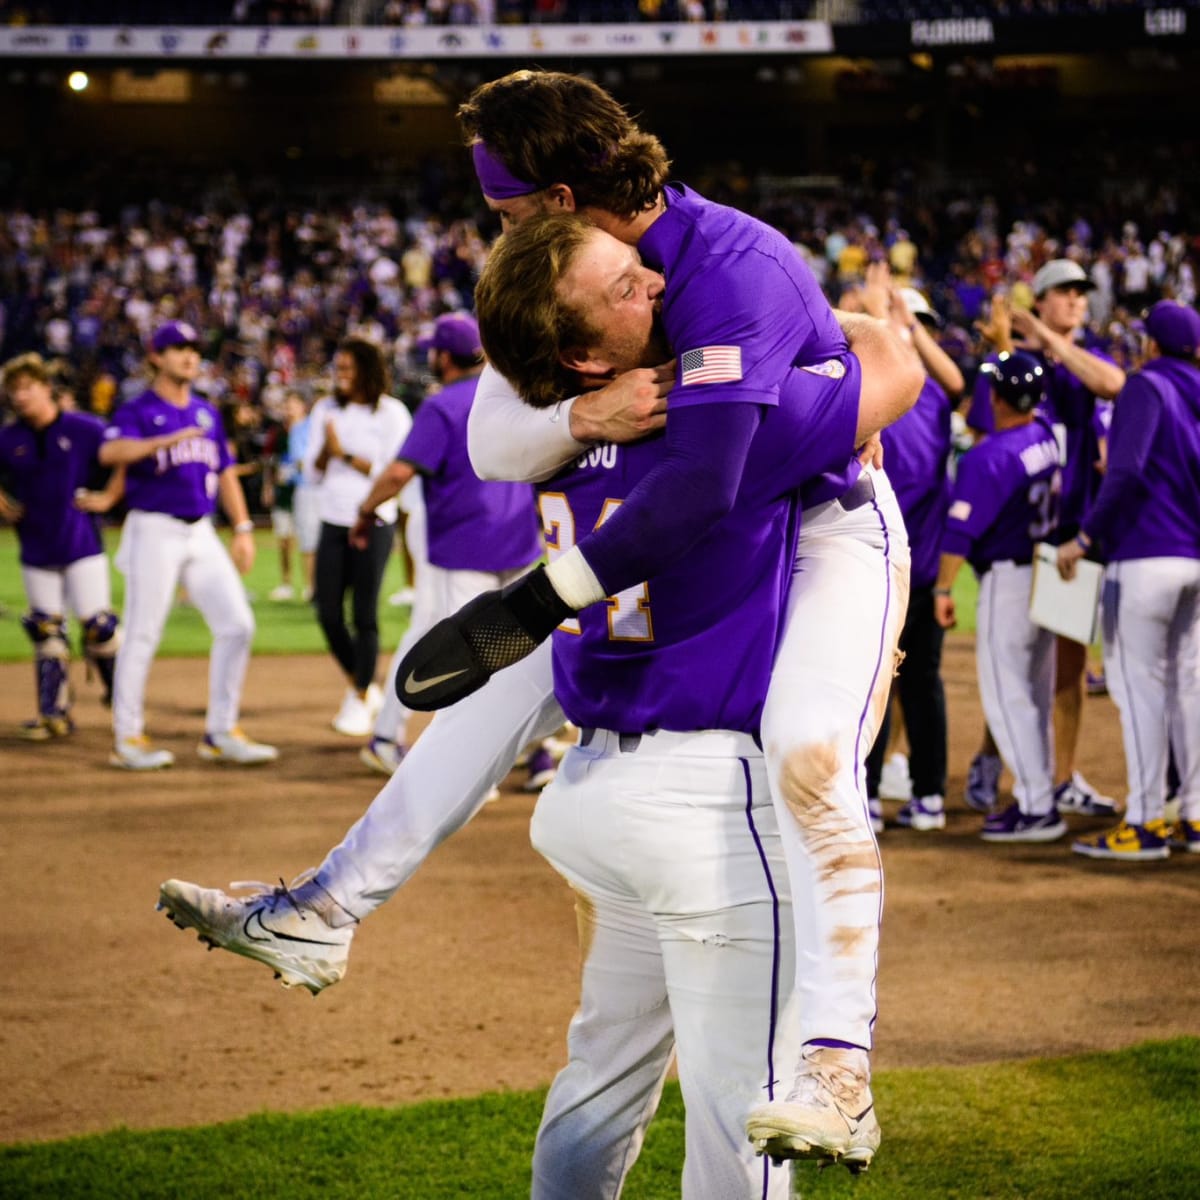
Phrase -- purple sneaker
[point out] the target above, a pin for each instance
(983, 781)
(1012, 825)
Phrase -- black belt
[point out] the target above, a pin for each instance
(627, 742)
(863, 492)
(1005, 562)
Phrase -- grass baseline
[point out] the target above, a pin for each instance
(1094, 1125)
(288, 627)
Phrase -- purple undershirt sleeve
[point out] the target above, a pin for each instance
(680, 499)
(1135, 421)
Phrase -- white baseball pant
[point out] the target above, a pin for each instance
(157, 553)
(439, 593)
(828, 693)
(1151, 628)
(1015, 664)
(826, 698)
(670, 844)
(82, 587)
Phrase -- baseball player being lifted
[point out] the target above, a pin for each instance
(178, 466)
(1005, 499)
(826, 778)
(47, 463)
(1145, 522)
(743, 313)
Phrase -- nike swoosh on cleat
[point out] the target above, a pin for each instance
(414, 687)
(273, 934)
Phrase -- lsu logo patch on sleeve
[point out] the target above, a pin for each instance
(711, 364)
(960, 510)
(831, 368)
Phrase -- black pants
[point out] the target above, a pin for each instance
(922, 700)
(340, 569)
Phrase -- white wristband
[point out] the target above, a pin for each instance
(574, 580)
(244, 527)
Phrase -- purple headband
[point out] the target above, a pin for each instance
(496, 180)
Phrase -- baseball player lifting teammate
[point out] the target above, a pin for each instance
(178, 466)
(363, 871)
(47, 462)
(1005, 499)
(1145, 523)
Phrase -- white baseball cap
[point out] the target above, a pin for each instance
(916, 304)
(1060, 271)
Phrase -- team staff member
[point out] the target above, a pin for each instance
(354, 435)
(917, 450)
(478, 535)
(1079, 375)
(1005, 499)
(178, 466)
(47, 461)
(1145, 523)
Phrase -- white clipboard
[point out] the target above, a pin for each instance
(1067, 607)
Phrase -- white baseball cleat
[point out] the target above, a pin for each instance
(287, 928)
(829, 1115)
(235, 747)
(137, 754)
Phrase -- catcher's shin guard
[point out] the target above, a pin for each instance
(101, 641)
(48, 632)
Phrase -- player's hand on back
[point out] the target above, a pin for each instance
(624, 409)
(92, 502)
(360, 532)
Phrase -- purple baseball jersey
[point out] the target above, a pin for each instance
(1071, 408)
(472, 525)
(181, 480)
(692, 649)
(1005, 496)
(916, 450)
(42, 470)
(741, 306)
(1148, 505)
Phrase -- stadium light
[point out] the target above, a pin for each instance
(77, 81)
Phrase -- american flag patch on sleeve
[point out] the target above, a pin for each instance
(711, 364)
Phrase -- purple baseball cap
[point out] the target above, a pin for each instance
(456, 332)
(173, 333)
(1175, 327)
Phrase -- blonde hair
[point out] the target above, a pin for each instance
(31, 364)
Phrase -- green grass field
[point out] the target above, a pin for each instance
(1094, 1126)
(287, 628)
(283, 628)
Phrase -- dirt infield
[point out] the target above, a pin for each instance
(110, 1016)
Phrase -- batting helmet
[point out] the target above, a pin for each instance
(1018, 378)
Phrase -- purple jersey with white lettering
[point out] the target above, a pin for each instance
(916, 450)
(1149, 503)
(1005, 496)
(472, 525)
(181, 480)
(692, 649)
(42, 469)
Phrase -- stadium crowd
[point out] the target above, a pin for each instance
(272, 288)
